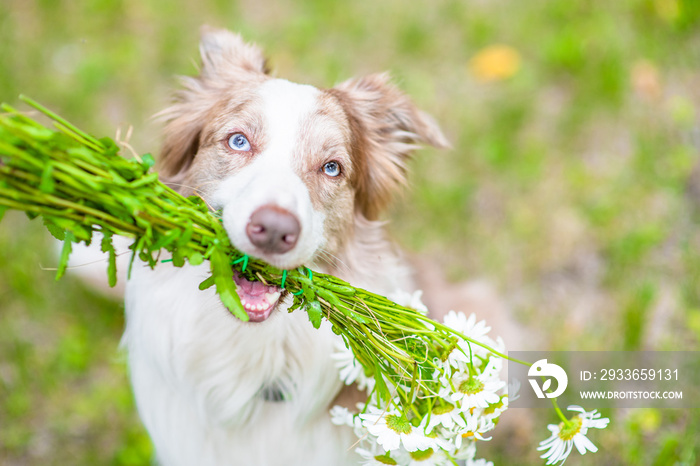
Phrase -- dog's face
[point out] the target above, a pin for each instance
(276, 160)
(291, 166)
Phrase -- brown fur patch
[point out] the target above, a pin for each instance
(385, 127)
(325, 137)
(229, 66)
(348, 397)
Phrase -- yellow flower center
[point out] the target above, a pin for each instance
(385, 459)
(421, 455)
(471, 386)
(494, 406)
(568, 432)
(443, 409)
(398, 424)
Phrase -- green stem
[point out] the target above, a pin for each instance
(566, 422)
(60, 120)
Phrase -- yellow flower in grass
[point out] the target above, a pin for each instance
(495, 63)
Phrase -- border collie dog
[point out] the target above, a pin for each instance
(301, 175)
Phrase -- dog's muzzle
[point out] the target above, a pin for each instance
(273, 230)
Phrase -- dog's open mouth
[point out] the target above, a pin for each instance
(257, 298)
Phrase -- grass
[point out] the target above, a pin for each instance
(570, 185)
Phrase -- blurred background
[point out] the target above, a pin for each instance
(573, 187)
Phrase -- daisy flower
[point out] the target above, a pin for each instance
(370, 459)
(476, 391)
(392, 429)
(559, 445)
(410, 300)
(466, 325)
(495, 410)
(429, 457)
(466, 451)
(476, 427)
(479, 462)
(469, 327)
(341, 416)
(350, 368)
(447, 416)
(514, 389)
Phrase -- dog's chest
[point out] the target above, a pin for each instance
(205, 382)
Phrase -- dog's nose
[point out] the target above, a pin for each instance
(273, 229)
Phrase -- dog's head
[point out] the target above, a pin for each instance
(290, 165)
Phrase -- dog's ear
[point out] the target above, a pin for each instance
(386, 127)
(227, 64)
(226, 56)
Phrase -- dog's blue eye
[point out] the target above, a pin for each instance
(239, 142)
(332, 169)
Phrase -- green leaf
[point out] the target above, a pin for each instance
(147, 161)
(330, 297)
(148, 179)
(65, 254)
(110, 147)
(309, 294)
(338, 305)
(178, 258)
(340, 289)
(313, 309)
(196, 200)
(195, 258)
(186, 235)
(225, 286)
(3, 209)
(166, 239)
(298, 301)
(82, 232)
(135, 247)
(380, 385)
(56, 231)
(208, 283)
(107, 246)
(47, 183)
(131, 264)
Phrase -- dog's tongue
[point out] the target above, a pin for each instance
(257, 298)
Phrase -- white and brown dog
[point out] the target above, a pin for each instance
(301, 175)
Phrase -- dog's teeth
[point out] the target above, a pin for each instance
(272, 297)
(243, 302)
(261, 307)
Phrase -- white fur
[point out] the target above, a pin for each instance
(198, 373)
(270, 179)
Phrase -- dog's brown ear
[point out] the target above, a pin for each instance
(225, 55)
(386, 128)
(227, 64)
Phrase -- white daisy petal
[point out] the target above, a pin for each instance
(582, 443)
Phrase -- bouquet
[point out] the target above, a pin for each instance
(433, 389)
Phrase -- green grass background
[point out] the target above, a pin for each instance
(570, 187)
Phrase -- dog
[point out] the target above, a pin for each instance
(301, 175)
